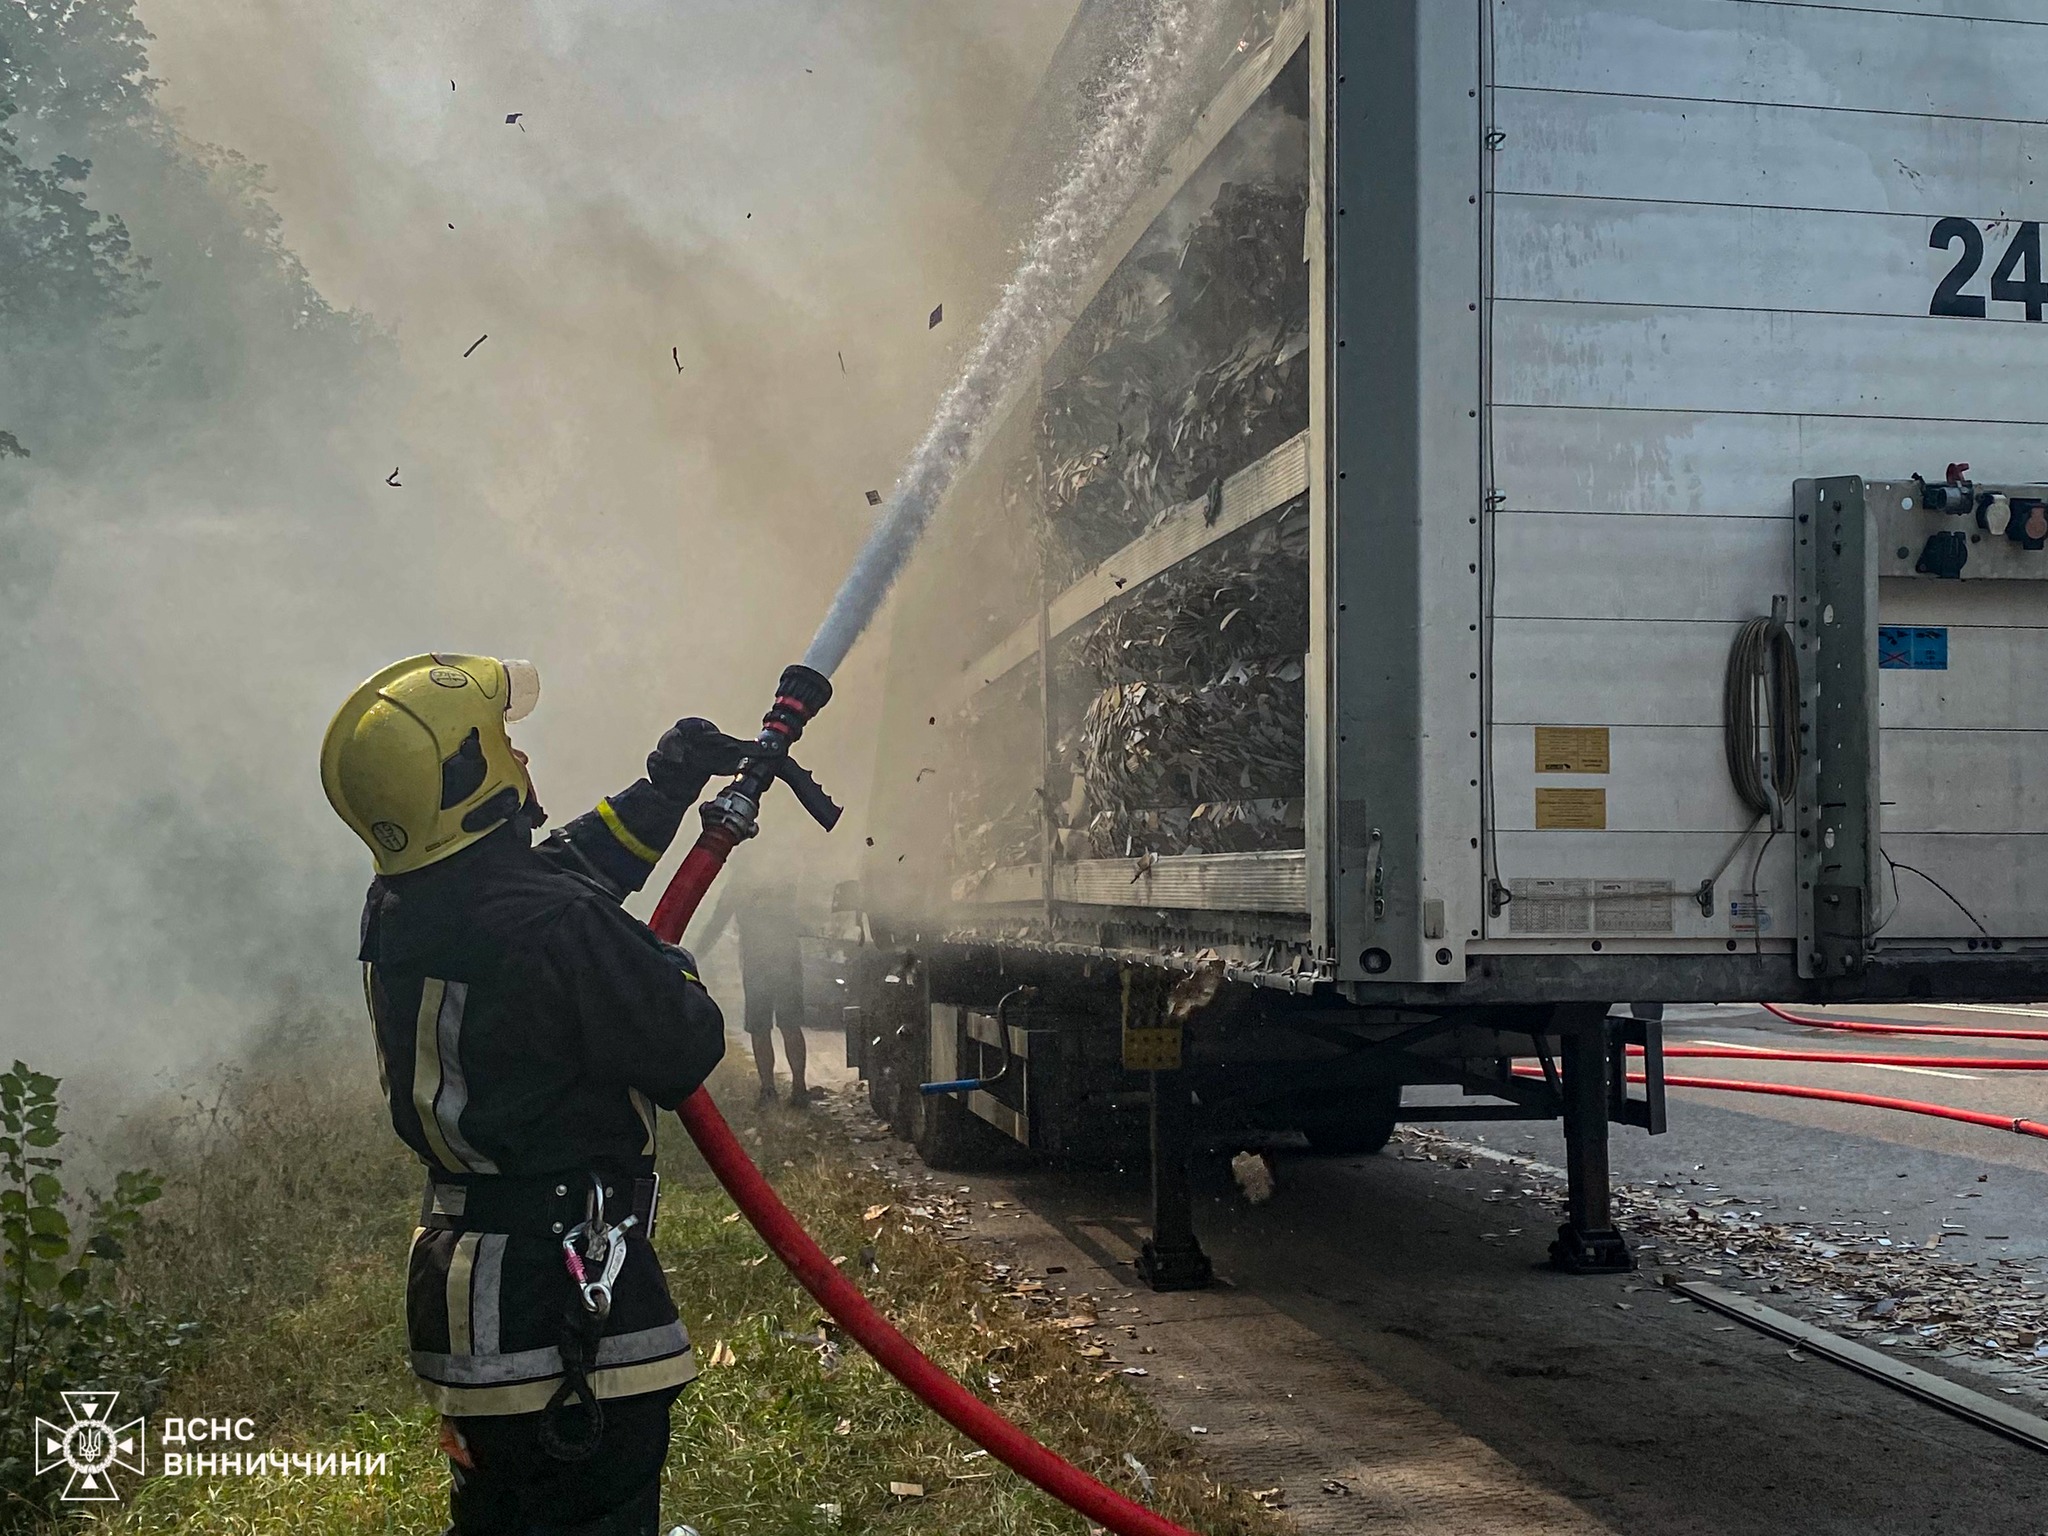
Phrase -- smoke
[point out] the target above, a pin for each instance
(1064, 247)
(202, 555)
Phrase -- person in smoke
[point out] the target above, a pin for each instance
(771, 976)
(527, 1029)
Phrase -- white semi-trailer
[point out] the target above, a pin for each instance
(1543, 510)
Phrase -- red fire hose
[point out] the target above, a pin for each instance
(686, 890)
(1855, 1058)
(1868, 1100)
(896, 1354)
(1858, 1026)
(728, 821)
(1842, 1096)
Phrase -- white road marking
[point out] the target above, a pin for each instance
(2031, 1013)
(1867, 1066)
(1878, 1066)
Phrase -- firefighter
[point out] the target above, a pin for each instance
(771, 977)
(527, 1029)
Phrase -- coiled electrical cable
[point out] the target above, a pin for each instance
(1760, 717)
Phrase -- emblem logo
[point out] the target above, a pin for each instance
(90, 1446)
(449, 677)
(390, 834)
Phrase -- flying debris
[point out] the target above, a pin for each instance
(513, 117)
(677, 355)
(480, 340)
(922, 772)
(842, 360)
(392, 478)
(874, 498)
(937, 315)
(1143, 867)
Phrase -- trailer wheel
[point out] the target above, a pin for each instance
(881, 1086)
(1349, 1124)
(902, 1099)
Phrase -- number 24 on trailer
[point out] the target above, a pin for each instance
(2016, 279)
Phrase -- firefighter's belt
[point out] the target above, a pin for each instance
(541, 1206)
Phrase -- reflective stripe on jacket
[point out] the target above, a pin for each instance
(527, 1025)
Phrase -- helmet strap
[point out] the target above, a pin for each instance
(502, 806)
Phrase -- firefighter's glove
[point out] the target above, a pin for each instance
(689, 754)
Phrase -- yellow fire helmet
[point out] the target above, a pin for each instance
(417, 761)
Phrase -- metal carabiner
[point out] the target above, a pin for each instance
(597, 1295)
(602, 1244)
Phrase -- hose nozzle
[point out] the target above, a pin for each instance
(802, 692)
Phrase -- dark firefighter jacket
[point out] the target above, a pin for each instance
(527, 1030)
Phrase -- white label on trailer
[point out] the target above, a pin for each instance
(1750, 913)
(1595, 907)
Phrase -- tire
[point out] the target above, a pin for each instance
(1354, 1124)
(881, 1084)
(902, 1097)
(888, 1021)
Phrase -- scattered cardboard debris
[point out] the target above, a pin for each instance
(1253, 1172)
(1864, 1280)
(1139, 1471)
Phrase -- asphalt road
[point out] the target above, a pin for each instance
(1651, 1415)
(1845, 1161)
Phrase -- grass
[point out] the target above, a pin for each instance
(293, 1206)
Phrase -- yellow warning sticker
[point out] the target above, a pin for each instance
(1152, 1042)
(1571, 749)
(1571, 810)
(1152, 1050)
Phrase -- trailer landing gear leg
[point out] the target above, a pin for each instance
(1587, 1244)
(1171, 1259)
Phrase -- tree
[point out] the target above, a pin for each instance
(62, 264)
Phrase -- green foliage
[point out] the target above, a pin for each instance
(75, 62)
(146, 293)
(64, 1322)
(61, 263)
